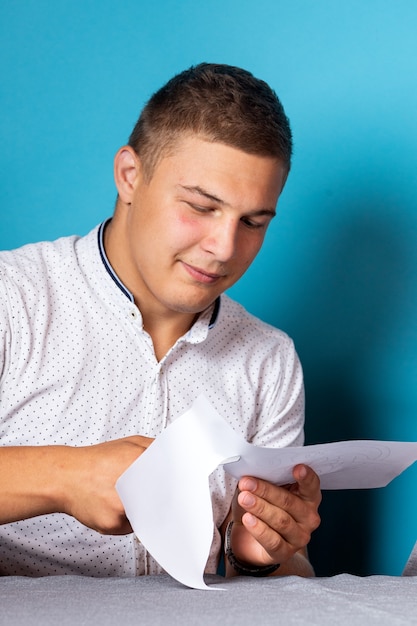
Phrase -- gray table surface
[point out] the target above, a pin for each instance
(341, 600)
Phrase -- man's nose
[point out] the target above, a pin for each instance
(222, 239)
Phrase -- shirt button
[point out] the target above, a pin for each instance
(133, 314)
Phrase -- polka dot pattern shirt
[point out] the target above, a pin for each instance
(77, 368)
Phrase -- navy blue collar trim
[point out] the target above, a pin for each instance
(106, 263)
(121, 286)
(215, 313)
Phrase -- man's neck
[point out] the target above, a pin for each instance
(164, 327)
(165, 332)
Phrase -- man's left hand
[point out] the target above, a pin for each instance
(276, 522)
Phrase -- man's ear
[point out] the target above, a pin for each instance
(126, 172)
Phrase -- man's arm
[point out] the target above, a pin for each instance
(77, 481)
(273, 524)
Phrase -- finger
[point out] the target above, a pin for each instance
(255, 496)
(308, 484)
(271, 524)
(307, 487)
(273, 547)
(277, 506)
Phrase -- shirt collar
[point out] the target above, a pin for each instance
(106, 263)
(124, 289)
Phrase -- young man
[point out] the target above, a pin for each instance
(106, 339)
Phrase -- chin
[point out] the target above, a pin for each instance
(193, 308)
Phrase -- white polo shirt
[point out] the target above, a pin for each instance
(77, 368)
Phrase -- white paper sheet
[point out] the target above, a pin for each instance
(166, 493)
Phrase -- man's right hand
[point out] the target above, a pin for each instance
(79, 481)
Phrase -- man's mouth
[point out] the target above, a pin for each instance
(201, 275)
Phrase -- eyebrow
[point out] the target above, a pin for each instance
(202, 192)
(209, 196)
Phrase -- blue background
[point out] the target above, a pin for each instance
(337, 271)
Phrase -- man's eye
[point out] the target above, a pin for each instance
(201, 209)
(252, 224)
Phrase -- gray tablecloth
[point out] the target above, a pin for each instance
(339, 600)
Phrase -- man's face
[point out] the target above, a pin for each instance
(196, 226)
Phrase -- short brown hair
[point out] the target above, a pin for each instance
(220, 103)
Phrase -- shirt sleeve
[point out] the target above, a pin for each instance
(5, 329)
(281, 420)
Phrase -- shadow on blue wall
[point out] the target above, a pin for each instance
(342, 321)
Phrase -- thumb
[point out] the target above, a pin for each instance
(307, 485)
